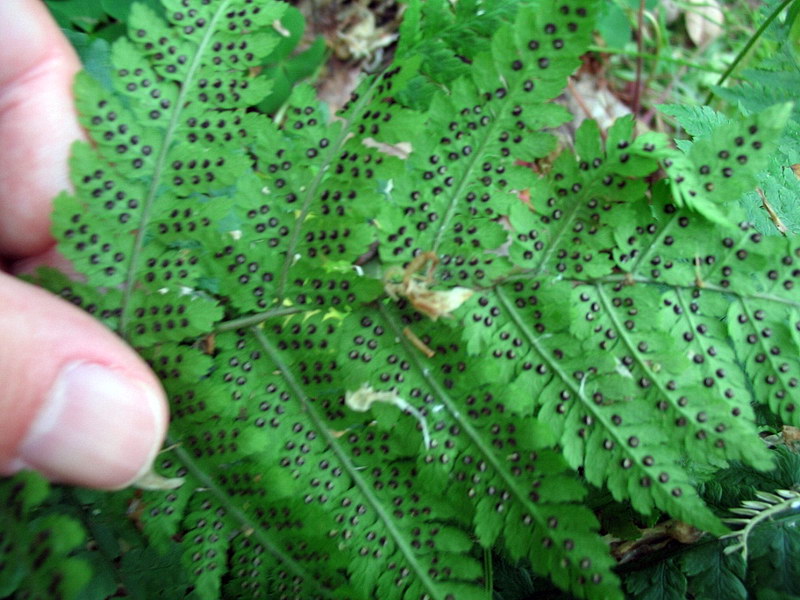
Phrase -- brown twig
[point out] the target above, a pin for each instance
(418, 343)
(637, 90)
(582, 104)
(772, 214)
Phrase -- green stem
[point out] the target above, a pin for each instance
(161, 160)
(750, 43)
(311, 191)
(676, 550)
(627, 278)
(381, 511)
(251, 320)
(253, 528)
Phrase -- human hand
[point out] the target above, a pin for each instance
(77, 404)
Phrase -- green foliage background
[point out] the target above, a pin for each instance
(630, 336)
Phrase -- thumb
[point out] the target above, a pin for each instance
(78, 405)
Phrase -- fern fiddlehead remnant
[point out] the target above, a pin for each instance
(607, 329)
(753, 512)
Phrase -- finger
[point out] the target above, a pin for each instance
(50, 258)
(37, 123)
(77, 403)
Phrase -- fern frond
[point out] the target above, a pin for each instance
(752, 513)
(576, 318)
(36, 547)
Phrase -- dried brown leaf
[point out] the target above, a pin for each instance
(704, 21)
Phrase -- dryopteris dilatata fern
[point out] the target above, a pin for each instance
(604, 322)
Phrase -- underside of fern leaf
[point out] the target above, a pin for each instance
(514, 333)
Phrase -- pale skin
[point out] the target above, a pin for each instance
(85, 435)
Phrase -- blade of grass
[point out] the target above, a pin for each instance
(750, 43)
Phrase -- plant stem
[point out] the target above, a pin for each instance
(257, 318)
(380, 509)
(637, 89)
(750, 43)
(160, 164)
(253, 528)
(311, 191)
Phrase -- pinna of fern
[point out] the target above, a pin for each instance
(222, 245)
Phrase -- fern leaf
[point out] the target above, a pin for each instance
(460, 182)
(755, 512)
(773, 567)
(35, 546)
(157, 153)
(488, 473)
(570, 225)
(364, 520)
(713, 574)
(729, 159)
(582, 328)
(697, 121)
(722, 262)
(603, 421)
(664, 581)
(448, 37)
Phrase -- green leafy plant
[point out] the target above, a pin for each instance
(395, 355)
(90, 25)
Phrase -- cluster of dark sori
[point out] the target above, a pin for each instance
(464, 173)
(641, 361)
(171, 134)
(256, 575)
(585, 394)
(270, 401)
(170, 269)
(257, 427)
(210, 532)
(715, 297)
(94, 248)
(667, 323)
(343, 443)
(734, 148)
(724, 165)
(49, 568)
(575, 208)
(639, 377)
(304, 211)
(484, 453)
(277, 435)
